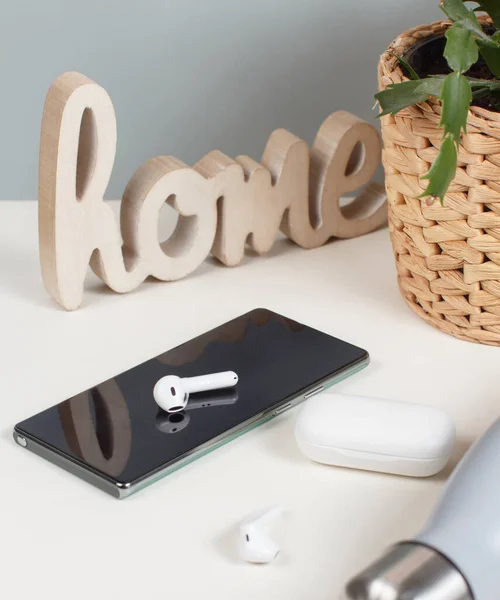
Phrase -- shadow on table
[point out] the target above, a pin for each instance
(21, 276)
(6, 434)
(461, 448)
(226, 544)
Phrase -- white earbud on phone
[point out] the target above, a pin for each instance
(171, 393)
(255, 546)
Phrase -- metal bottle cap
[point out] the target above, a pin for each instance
(409, 571)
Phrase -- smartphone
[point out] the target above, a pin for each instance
(116, 437)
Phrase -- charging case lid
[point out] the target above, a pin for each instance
(377, 426)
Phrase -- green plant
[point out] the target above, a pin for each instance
(465, 41)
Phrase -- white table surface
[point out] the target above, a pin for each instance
(61, 538)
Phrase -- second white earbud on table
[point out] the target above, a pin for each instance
(255, 546)
(171, 393)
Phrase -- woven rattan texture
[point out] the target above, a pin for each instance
(447, 257)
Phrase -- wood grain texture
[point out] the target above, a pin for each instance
(224, 204)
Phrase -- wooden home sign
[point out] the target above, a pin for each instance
(224, 204)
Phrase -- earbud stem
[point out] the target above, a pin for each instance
(214, 381)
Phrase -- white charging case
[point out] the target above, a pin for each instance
(375, 434)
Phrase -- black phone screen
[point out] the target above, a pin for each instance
(117, 429)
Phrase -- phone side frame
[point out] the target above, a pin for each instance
(124, 490)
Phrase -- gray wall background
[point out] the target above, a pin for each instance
(188, 76)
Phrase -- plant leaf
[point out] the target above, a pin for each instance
(398, 96)
(461, 15)
(458, 13)
(483, 83)
(456, 97)
(431, 86)
(406, 65)
(461, 49)
(407, 93)
(480, 93)
(492, 7)
(443, 170)
(491, 55)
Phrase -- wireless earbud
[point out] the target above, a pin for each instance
(255, 546)
(171, 393)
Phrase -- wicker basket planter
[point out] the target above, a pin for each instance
(447, 258)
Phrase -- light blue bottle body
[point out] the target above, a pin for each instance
(466, 524)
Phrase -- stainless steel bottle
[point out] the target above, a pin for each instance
(457, 555)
